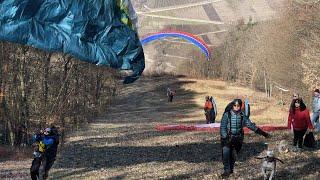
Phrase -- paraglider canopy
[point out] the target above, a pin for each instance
(179, 34)
(98, 32)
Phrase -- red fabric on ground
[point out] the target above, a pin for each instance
(213, 128)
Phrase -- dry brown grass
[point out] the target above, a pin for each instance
(125, 144)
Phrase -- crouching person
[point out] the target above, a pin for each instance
(231, 132)
(45, 151)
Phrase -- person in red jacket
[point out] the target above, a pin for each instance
(299, 121)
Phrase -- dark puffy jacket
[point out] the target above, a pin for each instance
(234, 122)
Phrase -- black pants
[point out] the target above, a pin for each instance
(213, 116)
(228, 153)
(210, 116)
(170, 98)
(40, 167)
(298, 137)
(34, 170)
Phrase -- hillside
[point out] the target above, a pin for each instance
(125, 145)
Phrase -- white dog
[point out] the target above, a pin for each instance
(269, 165)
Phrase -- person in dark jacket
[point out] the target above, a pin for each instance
(209, 110)
(299, 121)
(231, 133)
(46, 145)
(170, 94)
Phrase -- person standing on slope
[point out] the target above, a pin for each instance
(208, 110)
(232, 134)
(299, 121)
(316, 109)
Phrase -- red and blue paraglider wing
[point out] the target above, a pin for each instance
(179, 34)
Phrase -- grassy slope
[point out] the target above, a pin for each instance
(125, 145)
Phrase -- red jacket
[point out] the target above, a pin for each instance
(300, 120)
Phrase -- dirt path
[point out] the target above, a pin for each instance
(125, 145)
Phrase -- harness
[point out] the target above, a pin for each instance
(42, 147)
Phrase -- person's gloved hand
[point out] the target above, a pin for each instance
(268, 135)
(224, 142)
(265, 134)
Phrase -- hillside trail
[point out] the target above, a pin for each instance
(124, 144)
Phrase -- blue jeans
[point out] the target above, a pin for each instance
(315, 118)
(228, 154)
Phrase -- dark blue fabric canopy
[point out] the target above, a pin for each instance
(90, 30)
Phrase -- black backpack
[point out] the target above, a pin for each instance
(55, 133)
(51, 152)
(309, 140)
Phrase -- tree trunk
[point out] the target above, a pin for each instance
(265, 83)
(98, 87)
(1, 71)
(11, 133)
(45, 81)
(64, 96)
(25, 91)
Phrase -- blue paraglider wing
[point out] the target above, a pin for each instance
(93, 31)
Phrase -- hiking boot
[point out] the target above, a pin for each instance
(235, 155)
(296, 149)
(226, 174)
